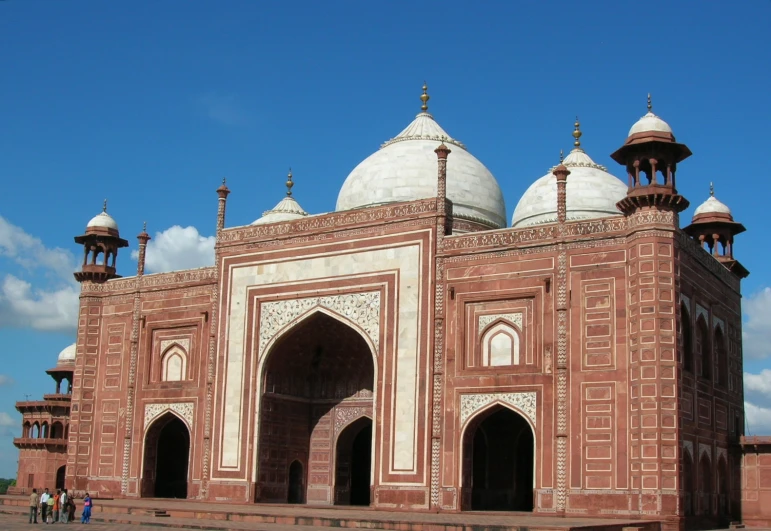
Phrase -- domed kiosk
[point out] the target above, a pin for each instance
(405, 169)
(591, 192)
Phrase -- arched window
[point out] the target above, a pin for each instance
(26, 430)
(57, 430)
(44, 430)
(174, 364)
(500, 345)
(722, 357)
(705, 485)
(702, 348)
(35, 431)
(686, 339)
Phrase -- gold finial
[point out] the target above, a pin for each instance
(577, 134)
(711, 190)
(650, 105)
(424, 98)
(562, 156)
(289, 183)
(104, 206)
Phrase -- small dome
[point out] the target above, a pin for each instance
(712, 205)
(405, 169)
(67, 355)
(286, 210)
(102, 220)
(591, 193)
(650, 122)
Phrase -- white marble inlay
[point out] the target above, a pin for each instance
(360, 308)
(184, 343)
(522, 402)
(688, 446)
(406, 260)
(183, 409)
(514, 318)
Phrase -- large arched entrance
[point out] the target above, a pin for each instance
(166, 459)
(317, 378)
(498, 458)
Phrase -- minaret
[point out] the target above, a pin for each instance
(561, 173)
(222, 193)
(650, 154)
(143, 238)
(714, 227)
(101, 242)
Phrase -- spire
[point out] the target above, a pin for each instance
(424, 98)
(104, 206)
(577, 134)
(711, 190)
(650, 105)
(562, 156)
(289, 183)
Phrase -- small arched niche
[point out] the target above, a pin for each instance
(501, 345)
(174, 364)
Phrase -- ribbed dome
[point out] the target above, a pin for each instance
(67, 355)
(286, 210)
(591, 192)
(405, 169)
(650, 122)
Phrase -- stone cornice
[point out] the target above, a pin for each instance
(150, 282)
(692, 248)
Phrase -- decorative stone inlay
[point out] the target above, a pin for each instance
(346, 415)
(705, 449)
(471, 403)
(702, 311)
(361, 308)
(184, 409)
(687, 301)
(718, 322)
(513, 318)
(184, 343)
(722, 452)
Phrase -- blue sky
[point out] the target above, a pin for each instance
(150, 104)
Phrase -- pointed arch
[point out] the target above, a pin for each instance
(483, 411)
(35, 430)
(721, 356)
(26, 429)
(166, 456)
(703, 350)
(686, 338)
(706, 487)
(501, 343)
(174, 363)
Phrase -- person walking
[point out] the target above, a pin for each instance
(63, 507)
(34, 500)
(86, 517)
(44, 505)
(71, 512)
(50, 510)
(57, 497)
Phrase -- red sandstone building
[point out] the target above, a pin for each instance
(411, 350)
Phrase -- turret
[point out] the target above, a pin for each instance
(101, 242)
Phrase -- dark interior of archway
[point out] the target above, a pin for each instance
(502, 463)
(172, 460)
(296, 492)
(353, 460)
(60, 473)
(317, 364)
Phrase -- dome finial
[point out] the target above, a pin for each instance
(289, 183)
(562, 156)
(144, 226)
(577, 134)
(711, 190)
(650, 105)
(104, 206)
(424, 98)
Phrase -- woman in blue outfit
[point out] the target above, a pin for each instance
(86, 517)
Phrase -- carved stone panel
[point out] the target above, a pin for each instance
(523, 402)
(183, 409)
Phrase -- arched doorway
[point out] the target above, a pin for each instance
(296, 483)
(688, 491)
(705, 485)
(60, 474)
(353, 463)
(166, 459)
(316, 376)
(498, 459)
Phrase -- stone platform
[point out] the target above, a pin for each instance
(191, 514)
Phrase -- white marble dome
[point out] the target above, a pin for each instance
(650, 122)
(103, 220)
(67, 355)
(286, 210)
(405, 169)
(712, 206)
(591, 193)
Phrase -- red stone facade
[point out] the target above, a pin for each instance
(573, 368)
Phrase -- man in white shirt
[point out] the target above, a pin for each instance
(44, 504)
(64, 511)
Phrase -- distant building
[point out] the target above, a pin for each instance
(410, 350)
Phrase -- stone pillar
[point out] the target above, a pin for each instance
(561, 173)
(222, 192)
(143, 239)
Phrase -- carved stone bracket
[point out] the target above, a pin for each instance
(522, 402)
(183, 409)
(362, 309)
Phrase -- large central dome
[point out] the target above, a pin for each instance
(405, 169)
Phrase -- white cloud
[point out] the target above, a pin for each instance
(5, 380)
(7, 424)
(178, 248)
(758, 419)
(53, 308)
(222, 109)
(756, 330)
(758, 383)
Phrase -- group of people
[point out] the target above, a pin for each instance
(59, 507)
